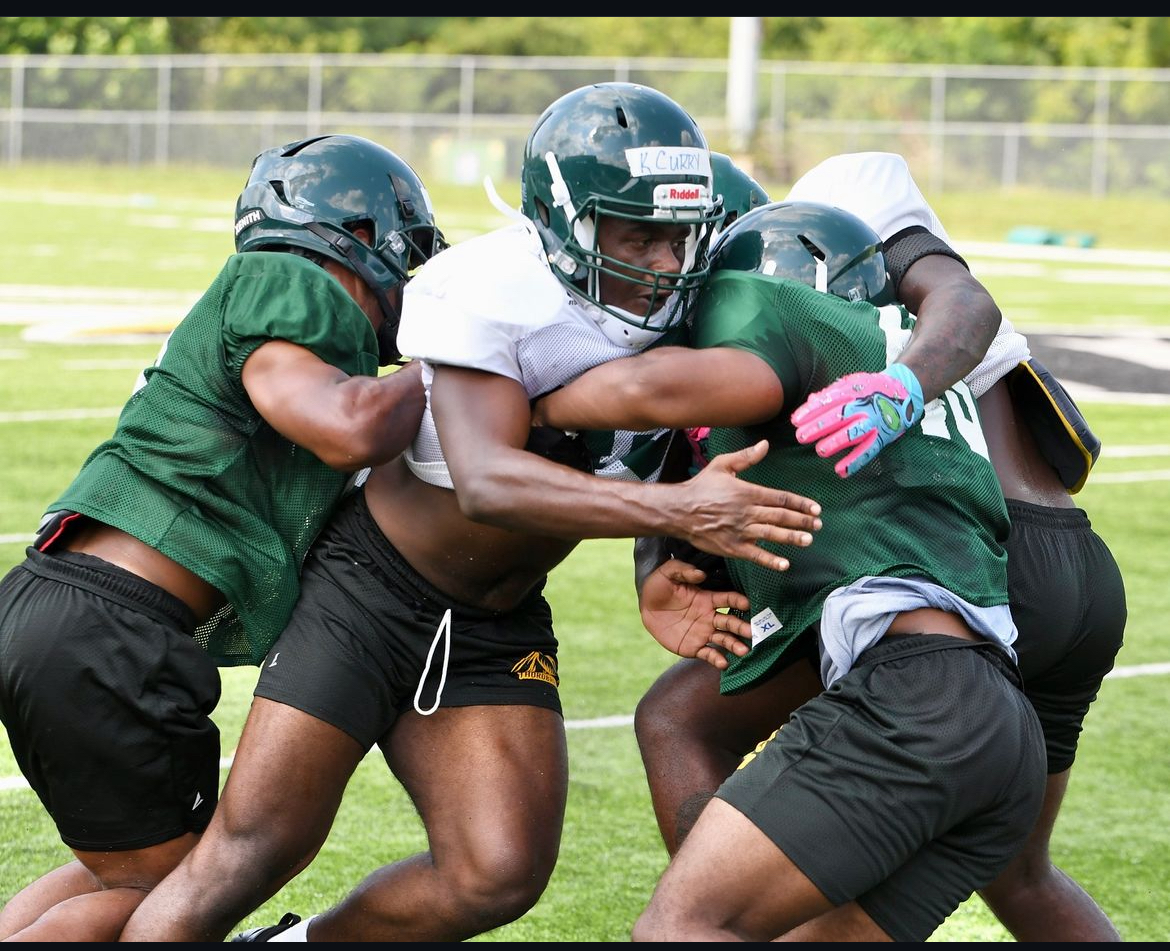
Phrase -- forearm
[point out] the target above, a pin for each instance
(523, 492)
(943, 350)
(671, 387)
(348, 422)
(483, 420)
(373, 419)
(957, 318)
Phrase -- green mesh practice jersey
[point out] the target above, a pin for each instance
(928, 506)
(194, 471)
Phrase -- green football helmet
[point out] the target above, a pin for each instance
(314, 193)
(824, 247)
(737, 190)
(627, 151)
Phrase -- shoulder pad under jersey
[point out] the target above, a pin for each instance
(875, 186)
(477, 295)
(1061, 431)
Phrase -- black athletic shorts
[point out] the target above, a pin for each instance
(356, 649)
(1068, 602)
(907, 785)
(107, 700)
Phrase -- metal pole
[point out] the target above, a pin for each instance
(742, 65)
(162, 113)
(1100, 169)
(15, 128)
(316, 100)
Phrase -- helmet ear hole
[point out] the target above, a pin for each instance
(812, 248)
(364, 224)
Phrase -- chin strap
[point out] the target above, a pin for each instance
(387, 334)
(500, 205)
(553, 248)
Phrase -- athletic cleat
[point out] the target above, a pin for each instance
(266, 934)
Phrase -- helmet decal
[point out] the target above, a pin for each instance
(669, 160)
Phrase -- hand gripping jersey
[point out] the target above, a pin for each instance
(492, 303)
(193, 470)
(878, 188)
(928, 507)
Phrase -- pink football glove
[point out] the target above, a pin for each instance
(867, 411)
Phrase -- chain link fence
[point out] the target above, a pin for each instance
(456, 118)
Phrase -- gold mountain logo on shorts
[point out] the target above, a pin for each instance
(538, 666)
(759, 748)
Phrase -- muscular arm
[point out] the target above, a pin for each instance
(673, 387)
(483, 420)
(348, 422)
(957, 320)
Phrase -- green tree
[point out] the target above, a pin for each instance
(1054, 41)
(582, 36)
(94, 35)
(300, 34)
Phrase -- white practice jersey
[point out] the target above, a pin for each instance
(493, 303)
(879, 189)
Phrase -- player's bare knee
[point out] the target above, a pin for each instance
(653, 925)
(654, 723)
(271, 850)
(1031, 870)
(503, 888)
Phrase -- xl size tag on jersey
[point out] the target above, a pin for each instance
(764, 624)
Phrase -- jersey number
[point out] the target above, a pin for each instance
(957, 402)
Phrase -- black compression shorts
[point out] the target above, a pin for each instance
(907, 785)
(107, 700)
(356, 649)
(1068, 602)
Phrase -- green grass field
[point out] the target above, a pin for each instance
(146, 242)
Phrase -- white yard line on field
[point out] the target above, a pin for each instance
(627, 720)
(57, 415)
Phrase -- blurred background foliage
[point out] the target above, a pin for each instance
(1140, 42)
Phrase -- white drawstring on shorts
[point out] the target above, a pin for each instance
(444, 632)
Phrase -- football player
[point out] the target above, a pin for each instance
(873, 804)
(422, 628)
(1064, 585)
(178, 545)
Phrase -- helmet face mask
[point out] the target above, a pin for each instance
(316, 193)
(622, 151)
(828, 248)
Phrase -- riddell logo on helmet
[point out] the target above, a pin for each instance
(677, 199)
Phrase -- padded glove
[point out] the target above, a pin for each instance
(867, 411)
